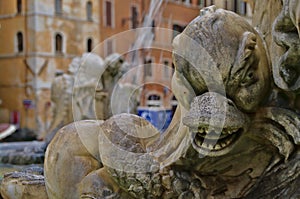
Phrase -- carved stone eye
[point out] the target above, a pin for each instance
(248, 79)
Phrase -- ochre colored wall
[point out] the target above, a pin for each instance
(39, 23)
(8, 32)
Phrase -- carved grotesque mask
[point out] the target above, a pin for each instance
(223, 61)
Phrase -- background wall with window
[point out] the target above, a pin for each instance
(41, 37)
(29, 59)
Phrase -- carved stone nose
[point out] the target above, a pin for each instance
(214, 110)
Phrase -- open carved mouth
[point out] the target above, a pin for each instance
(215, 124)
(215, 143)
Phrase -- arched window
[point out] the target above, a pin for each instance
(243, 8)
(199, 2)
(148, 67)
(235, 6)
(19, 6)
(153, 101)
(202, 3)
(134, 17)
(89, 10)
(167, 69)
(89, 45)
(58, 7)
(154, 97)
(20, 41)
(109, 14)
(58, 43)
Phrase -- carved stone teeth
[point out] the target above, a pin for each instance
(206, 145)
(217, 147)
(224, 131)
(198, 142)
(223, 144)
(225, 138)
(234, 130)
(201, 130)
(206, 130)
(229, 131)
(227, 142)
(210, 146)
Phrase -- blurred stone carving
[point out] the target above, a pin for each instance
(114, 69)
(87, 81)
(72, 93)
(278, 23)
(286, 34)
(130, 93)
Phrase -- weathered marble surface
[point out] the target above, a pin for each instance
(26, 184)
(231, 136)
(278, 22)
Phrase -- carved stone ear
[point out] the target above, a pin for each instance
(247, 46)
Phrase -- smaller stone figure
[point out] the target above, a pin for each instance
(61, 97)
(72, 93)
(87, 82)
(131, 95)
(114, 69)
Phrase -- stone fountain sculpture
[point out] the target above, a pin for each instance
(64, 87)
(113, 87)
(115, 68)
(229, 138)
(61, 97)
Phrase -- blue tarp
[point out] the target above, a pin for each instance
(160, 118)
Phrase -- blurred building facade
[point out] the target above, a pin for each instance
(40, 37)
(173, 16)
